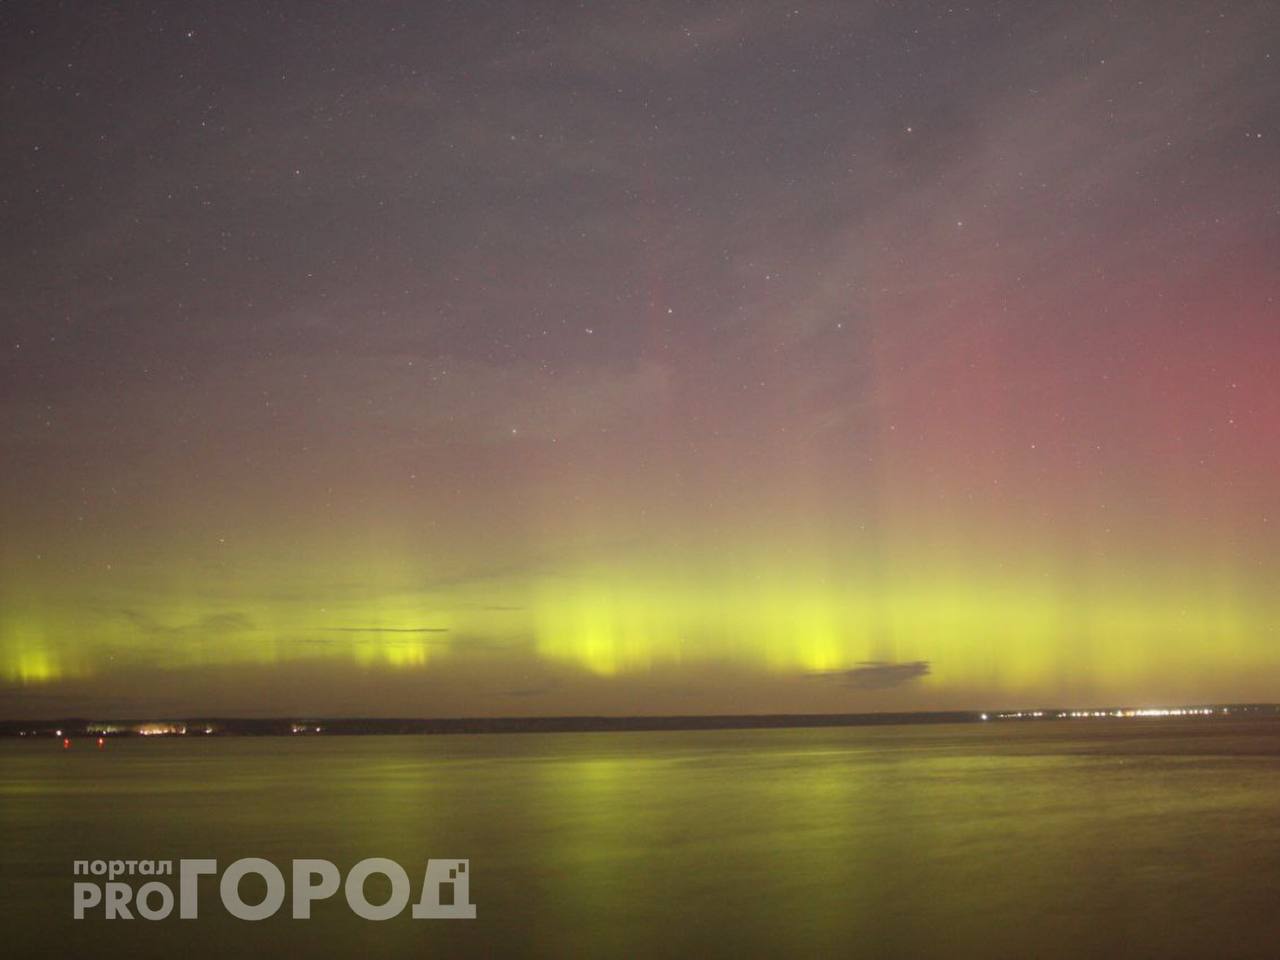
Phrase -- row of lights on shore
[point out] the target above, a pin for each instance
(1108, 714)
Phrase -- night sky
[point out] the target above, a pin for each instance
(507, 358)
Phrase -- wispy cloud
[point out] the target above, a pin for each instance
(879, 674)
(385, 629)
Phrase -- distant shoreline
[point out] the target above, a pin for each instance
(79, 727)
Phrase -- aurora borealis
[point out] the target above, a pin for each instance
(497, 359)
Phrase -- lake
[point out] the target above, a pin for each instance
(1102, 838)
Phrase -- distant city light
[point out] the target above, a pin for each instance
(1111, 713)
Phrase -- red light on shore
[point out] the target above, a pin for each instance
(66, 743)
(101, 741)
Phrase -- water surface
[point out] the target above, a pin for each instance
(1134, 838)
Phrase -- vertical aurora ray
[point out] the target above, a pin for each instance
(821, 345)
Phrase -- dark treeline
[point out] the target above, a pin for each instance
(304, 726)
